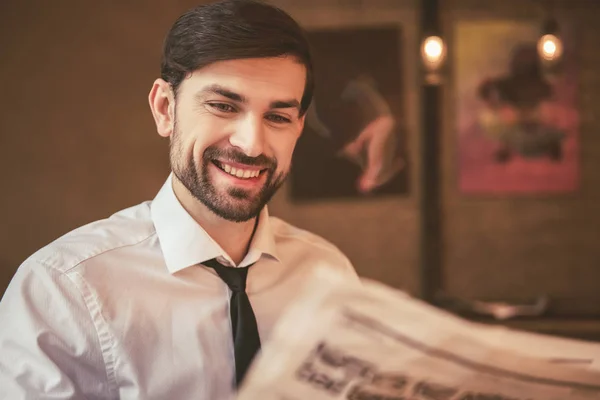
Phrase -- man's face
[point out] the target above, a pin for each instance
(236, 125)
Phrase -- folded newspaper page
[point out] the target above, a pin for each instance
(343, 340)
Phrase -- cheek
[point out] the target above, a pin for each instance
(283, 146)
(202, 133)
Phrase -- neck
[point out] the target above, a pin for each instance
(233, 237)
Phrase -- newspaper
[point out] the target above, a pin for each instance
(344, 340)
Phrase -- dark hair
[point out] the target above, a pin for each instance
(230, 30)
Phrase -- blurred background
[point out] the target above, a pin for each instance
(494, 219)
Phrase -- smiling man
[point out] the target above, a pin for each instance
(172, 298)
(233, 126)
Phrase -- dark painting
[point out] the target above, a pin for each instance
(358, 93)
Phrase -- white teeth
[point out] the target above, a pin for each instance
(238, 172)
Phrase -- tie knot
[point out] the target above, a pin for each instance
(235, 278)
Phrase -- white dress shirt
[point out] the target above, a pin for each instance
(122, 309)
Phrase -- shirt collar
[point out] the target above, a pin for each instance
(185, 243)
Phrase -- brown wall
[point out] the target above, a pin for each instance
(77, 137)
(517, 247)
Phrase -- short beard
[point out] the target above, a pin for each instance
(236, 204)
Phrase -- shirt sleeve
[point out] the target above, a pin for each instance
(49, 346)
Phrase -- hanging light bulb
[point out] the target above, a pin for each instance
(433, 52)
(550, 47)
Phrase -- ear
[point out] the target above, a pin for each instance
(162, 104)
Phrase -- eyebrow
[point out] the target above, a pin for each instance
(286, 104)
(223, 91)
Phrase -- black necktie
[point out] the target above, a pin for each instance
(246, 341)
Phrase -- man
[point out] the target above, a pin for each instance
(171, 299)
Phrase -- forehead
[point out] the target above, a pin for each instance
(256, 79)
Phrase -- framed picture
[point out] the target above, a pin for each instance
(517, 125)
(358, 92)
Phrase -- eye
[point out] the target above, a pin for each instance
(222, 107)
(278, 119)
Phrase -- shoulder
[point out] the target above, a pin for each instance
(127, 227)
(284, 231)
(308, 245)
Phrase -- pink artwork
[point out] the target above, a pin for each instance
(518, 127)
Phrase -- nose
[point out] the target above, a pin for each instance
(249, 136)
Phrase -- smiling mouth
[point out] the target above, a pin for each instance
(240, 173)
